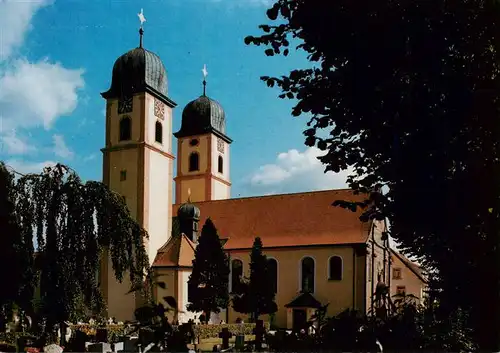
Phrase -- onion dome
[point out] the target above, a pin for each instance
(138, 70)
(203, 115)
(188, 211)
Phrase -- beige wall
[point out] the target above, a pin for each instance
(340, 294)
(409, 280)
(377, 260)
(147, 188)
(206, 183)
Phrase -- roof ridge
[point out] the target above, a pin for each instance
(273, 195)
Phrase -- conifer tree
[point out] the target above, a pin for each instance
(208, 283)
(257, 294)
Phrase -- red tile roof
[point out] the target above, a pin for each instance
(411, 265)
(285, 220)
(178, 251)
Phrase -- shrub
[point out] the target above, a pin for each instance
(114, 330)
(212, 331)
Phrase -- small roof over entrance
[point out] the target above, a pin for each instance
(304, 300)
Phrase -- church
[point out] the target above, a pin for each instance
(318, 254)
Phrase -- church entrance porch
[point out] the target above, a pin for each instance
(301, 310)
(299, 319)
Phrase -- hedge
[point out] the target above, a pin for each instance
(212, 331)
(114, 330)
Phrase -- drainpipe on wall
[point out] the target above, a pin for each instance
(373, 264)
(390, 258)
(354, 277)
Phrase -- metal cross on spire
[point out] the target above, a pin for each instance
(141, 29)
(205, 74)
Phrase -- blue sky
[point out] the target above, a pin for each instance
(57, 56)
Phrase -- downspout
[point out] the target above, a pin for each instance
(373, 265)
(390, 258)
(229, 279)
(354, 278)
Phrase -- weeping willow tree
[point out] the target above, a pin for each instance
(72, 223)
(16, 260)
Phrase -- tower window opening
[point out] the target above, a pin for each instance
(194, 162)
(221, 165)
(125, 129)
(123, 175)
(158, 132)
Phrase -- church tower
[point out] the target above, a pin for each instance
(202, 152)
(138, 160)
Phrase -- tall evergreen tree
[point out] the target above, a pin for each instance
(208, 283)
(16, 259)
(257, 294)
(406, 94)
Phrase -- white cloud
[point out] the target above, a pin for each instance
(15, 22)
(295, 171)
(37, 94)
(60, 147)
(90, 157)
(25, 167)
(13, 144)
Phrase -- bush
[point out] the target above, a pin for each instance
(114, 330)
(7, 347)
(212, 331)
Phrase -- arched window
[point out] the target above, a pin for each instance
(158, 132)
(221, 165)
(307, 275)
(194, 162)
(236, 275)
(335, 268)
(272, 270)
(125, 128)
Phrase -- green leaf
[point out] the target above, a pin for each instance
(269, 52)
(272, 13)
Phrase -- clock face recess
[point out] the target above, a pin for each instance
(194, 142)
(125, 105)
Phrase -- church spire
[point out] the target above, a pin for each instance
(141, 29)
(205, 74)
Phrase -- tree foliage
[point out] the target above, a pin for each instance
(72, 224)
(257, 294)
(16, 261)
(406, 94)
(208, 282)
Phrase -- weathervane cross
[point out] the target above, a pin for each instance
(141, 17)
(205, 74)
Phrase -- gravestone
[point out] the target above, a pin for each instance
(259, 332)
(225, 335)
(101, 335)
(101, 347)
(77, 342)
(239, 345)
(129, 345)
(52, 348)
(117, 347)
